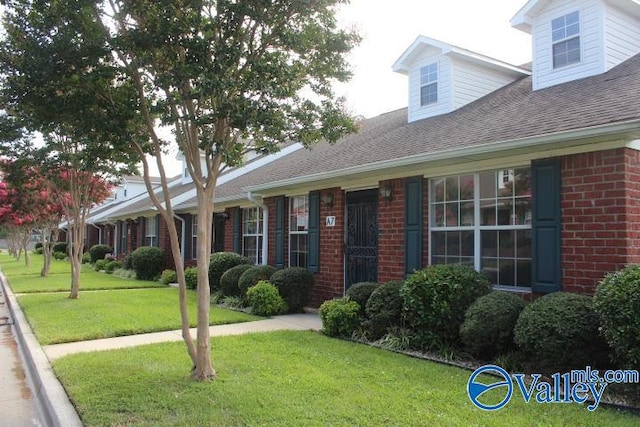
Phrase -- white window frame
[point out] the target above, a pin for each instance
(476, 227)
(562, 34)
(295, 232)
(150, 235)
(257, 236)
(194, 236)
(429, 78)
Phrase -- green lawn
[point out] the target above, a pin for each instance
(27, 279)
(292, 379)
(101, 314)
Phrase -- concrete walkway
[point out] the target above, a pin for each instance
(31, 395)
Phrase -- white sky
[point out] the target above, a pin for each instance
(389, 27)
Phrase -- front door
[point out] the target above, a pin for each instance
(362, 237)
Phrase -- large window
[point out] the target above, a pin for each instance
(150, 228)
(252, 234)
(565, 35)
(484, 220)
(194, 236)
(298, 230)
(429, 84)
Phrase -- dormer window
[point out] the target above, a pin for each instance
(565, 35)
(429, 84)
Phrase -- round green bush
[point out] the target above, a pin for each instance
(99, 252)
(253, 275)
(148, 262)
(100, 264)
(384, 309)
(38, 251)
(230, 278)
(559, 331)
(191, 277)
(487, 330)
(360, 293)
(220, 262)
(435, 300)
(294, 284)
(59, 255)
(86, 258)
(340, 317)
(127, 265)
(617, 302)
(169, 276)
(38, 245)
(112, 265)
(60, 247)
(265, 300)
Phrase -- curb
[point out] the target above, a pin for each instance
(56, 408)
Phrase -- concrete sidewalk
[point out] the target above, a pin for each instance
(45, 401)
(300, 322)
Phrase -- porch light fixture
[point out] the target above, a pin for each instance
(386, 192)
(224, 215)
(327, 199)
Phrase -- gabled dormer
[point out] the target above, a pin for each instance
(443, 77)
(129, 187)
(573, 39)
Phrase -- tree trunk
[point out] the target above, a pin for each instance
(204, 368)
(75, 256)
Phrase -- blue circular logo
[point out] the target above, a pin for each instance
(476, 389)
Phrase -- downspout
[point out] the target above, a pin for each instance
(182, 242)
(265, 225)
(99, 232)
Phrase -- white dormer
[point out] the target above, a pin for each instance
(573, 39)
(443, 77)
(130, 186)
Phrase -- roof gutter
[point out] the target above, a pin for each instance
(489, 148)
(265, 225)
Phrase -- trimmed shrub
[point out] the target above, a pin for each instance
(253, 275)
(148, 262)
(99, 252)
(559, 331)
(435, 300)
(220, 262)
(265, 300)
(191, 277)
(38, 245)
(60, 247)
(230, 278)
(488, 324)
(112, 265)
(384, 309)
(100, 264)
(127, 265)
(294, 284)
(169, 276)
(86, 258)
(617, 302)
(59, 255)
(360, 293)
(340, 317)
(38, 251)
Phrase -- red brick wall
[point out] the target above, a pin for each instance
(596, 203)
(93, 237)
(329, 282)
(391, 222)
(164, 243)
(228, 231)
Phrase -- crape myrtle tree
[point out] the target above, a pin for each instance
(59, 78)
(18, 222)
(228, 77)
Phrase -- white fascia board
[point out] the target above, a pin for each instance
(493, 147)
(487, 61)
(522, 19)
(400, 65)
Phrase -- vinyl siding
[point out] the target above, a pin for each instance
(592, 57)
(471, 82)
(416, 111)
(622, 36)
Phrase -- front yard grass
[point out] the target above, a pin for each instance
(56, 319)
(292, 379)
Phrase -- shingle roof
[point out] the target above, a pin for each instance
(510, 113)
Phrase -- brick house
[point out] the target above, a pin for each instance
(529, 173)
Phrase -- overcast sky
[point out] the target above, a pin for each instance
(389, 27)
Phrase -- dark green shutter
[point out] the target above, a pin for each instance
(280, 216)
(313, 233)
(237, 230)
(188, 235)
(158, 231)
(413, 225)
(546, 227)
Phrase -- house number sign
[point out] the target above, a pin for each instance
(331, 221)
